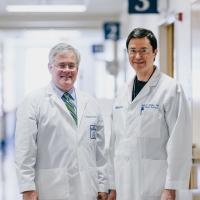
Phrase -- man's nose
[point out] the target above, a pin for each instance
(137, 55)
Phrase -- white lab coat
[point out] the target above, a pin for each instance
(151, 139)
(54, 156)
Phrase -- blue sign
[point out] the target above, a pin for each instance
(142, 6)
(112, 31)
(97, 48)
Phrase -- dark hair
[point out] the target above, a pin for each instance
(141, 33)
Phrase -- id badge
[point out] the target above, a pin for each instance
(93, 131)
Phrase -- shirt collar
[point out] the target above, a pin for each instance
(60, 92)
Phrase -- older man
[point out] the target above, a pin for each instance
(60, 137)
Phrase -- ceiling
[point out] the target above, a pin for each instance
(97, 11)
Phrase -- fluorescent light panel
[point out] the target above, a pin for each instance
(46, 8)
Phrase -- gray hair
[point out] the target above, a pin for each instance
(63, 47)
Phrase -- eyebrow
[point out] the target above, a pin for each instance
(140, 48)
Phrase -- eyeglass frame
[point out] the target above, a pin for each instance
(142, 51)
(63, 66)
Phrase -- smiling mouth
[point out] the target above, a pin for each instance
(66, 77)
(139, 63)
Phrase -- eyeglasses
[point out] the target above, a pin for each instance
(70, 66)
(142, 51)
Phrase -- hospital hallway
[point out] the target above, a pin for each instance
(98, 29)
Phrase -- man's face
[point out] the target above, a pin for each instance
(64, 70)
(141, 55)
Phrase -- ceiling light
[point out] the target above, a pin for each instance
(46, 8)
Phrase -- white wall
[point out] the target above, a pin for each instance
(182, 42)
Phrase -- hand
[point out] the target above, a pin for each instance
(112, 195)
(30, 195)
(102, 196)
(168, 194)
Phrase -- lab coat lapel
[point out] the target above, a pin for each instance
(128, 93)
(144, 92)
(153, 81)
(52, 95)
(81, 105)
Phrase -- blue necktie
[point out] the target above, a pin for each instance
(68, 99)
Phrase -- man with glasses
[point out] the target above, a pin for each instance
(60, 137)
(151, 129)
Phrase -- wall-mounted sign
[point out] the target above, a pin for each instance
(142, 6)
(97, 48)
(111, 30)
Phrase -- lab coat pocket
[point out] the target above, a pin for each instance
(153, 177)
(53, 184)
(150, 123)
(119, 113)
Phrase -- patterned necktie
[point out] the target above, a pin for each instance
(68, 99)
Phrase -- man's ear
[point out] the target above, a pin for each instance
(50, 67)
(155, 52)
